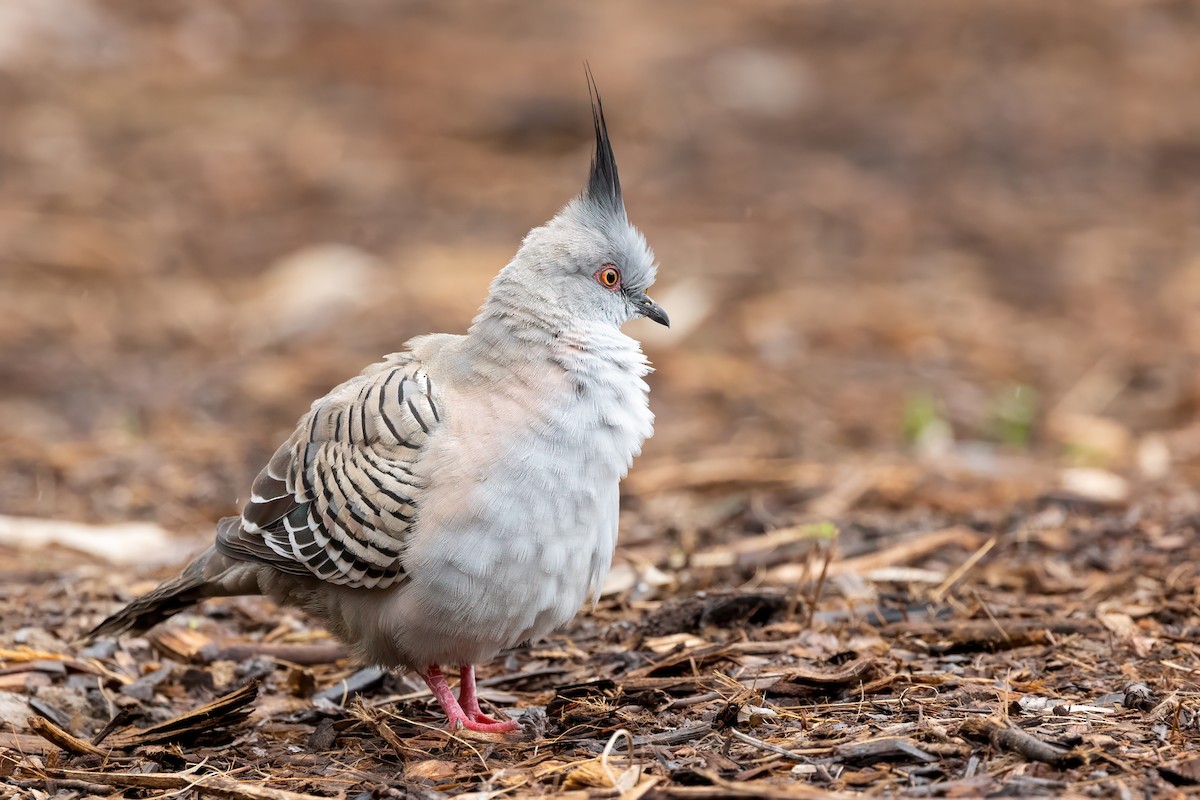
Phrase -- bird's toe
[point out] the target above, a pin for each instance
(491, 725)
(485, 719)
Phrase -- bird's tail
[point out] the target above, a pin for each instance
(196, 582)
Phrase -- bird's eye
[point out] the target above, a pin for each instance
(609, 277)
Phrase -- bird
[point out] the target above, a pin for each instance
(461, 496)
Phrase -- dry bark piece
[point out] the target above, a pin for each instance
(677, 736)
(343, 691)
(178, 641)
(300, 682)
(305, 655)
(766, 790)
(719, 609)
(25, 743)
(753, 548)
(904, 552)
(208, 724)
(52, 733)
(24, 681)
(1182, 773)
(888, 748)
(432, 770)
(212, 785)
(143, 688)
(582, 702)
(684, 658)
(649, 699)
(1139, 696)
(121, 719)
(799, 681)
(374, 718)
(38, 665)
(322, 737)
(25, 655)
(989, 635)
(650, 479)
(1005, 736)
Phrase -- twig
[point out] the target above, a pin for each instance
(816, 594)
(986, 634)
(121, 719)
(52, 733)
(677, 736)
(674, 475)
(760, 790)
(25, 655)
(1006, 737)
(847, 673)
(992, 617)
(758, 545)
(305, 655)
(214, 785)
(375, 719)
(770, 748)
(844, 494)
(885, 748)
(905, 552)
(84, 787)
(449, 734)
(954, 577)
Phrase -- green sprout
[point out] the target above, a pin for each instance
(923, 423)
(1013, 411)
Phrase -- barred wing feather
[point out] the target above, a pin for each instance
(337, 499)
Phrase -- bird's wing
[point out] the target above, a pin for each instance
(337, 499)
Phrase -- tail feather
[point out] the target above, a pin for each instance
(202, 578)
(150, 609)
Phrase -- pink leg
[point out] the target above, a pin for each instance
(455, 716)
(469, 700)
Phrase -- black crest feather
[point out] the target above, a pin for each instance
(604, 187)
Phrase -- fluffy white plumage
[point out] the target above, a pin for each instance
(518, 522)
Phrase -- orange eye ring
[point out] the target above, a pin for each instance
(608, 276)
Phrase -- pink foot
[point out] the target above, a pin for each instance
(468, 700)
(457, 718)
(507, 726)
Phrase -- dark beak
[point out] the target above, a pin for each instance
(650, 309)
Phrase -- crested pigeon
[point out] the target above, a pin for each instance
(461, 496)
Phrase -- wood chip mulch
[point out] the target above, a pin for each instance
(1046, 650)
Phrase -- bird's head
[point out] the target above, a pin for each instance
(588, 263)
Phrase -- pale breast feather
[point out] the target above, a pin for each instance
(337, 500)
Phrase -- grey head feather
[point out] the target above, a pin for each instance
(550, 282)
(604, 186)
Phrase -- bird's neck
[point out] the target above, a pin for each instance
(529, 335)
(515, 320)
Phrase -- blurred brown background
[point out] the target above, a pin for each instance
(963, 232)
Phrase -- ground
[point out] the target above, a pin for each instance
(918, 517)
